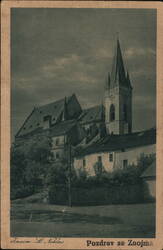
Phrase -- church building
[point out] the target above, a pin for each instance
(98, 134)
(119, 147)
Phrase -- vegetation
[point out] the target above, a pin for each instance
(30, 162)
(119, 187)
(32, 171)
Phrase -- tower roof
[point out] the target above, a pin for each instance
(118, 75)
(107, 83)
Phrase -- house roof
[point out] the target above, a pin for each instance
(92, 114)
(120, 142)
(150, 171)
(62, 128)
(35, 119)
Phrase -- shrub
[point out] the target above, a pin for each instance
(29, 165)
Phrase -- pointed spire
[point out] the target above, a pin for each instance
(109, 80)
(107, 83)
(118, 71)
(127, 76)
(128, 80)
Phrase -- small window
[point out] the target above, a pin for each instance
(57, 155)
(84, 162)
(30, 126)
(24, 128)
(99, 158)
(40, 112)
(57, 142)
(110, 157)
(125, 163)
(38, 124)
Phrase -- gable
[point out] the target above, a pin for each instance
(150, 171)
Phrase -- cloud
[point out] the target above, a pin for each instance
(70, 68)
(132, 52)
(103, 53)
(61, 63)
(69, 51)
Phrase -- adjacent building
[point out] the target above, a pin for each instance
(115, 152)
(149, 178)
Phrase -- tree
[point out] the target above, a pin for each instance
(30, 162)
(57, 174)
(99, 168)
(18, 165)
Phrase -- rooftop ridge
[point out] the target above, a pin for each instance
(96, 106)
(55, 102)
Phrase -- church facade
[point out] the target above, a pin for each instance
(101, 133)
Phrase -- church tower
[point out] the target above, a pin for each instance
(118, 97)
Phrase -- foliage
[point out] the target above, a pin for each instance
(122, 186)
(18, 165)
(99, 169)
(129, 175)
(29, 165)
(57, 174)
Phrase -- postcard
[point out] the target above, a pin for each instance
(81, 125)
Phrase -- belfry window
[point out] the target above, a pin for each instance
(125, 112)
(112, 113)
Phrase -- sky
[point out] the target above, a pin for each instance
(58, 52)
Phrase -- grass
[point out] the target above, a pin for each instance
(56, 216)
(43, 220)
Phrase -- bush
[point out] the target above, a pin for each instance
(21, 192)
(123, 186)
(58, 194)
(96, 195)
(29, 166)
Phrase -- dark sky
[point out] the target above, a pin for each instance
(58, 52)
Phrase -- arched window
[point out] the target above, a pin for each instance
(112, 113)
(125, 112)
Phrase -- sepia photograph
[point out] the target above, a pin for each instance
(83, 117)
(81, 126)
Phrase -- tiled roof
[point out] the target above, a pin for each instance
(35, 119)
(150, 171)
(121, 142)
(92, 114)
(62, 128)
